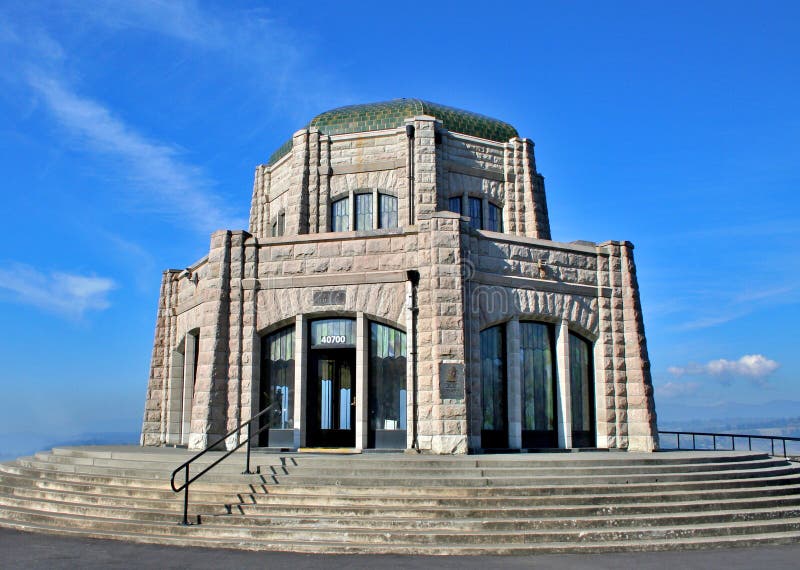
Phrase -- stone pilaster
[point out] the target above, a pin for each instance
(642, 430)
(251, 342)
(297, 210)
(539, 220)
(313, 180)
(510, 190)
(442, 424)
(425, 166)
(235, 332)
(155, 416)
(605, 399)
(211, 386)
(323, 218)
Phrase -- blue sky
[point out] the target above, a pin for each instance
(131, 131)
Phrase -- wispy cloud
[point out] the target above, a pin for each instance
(66, 294)
(176, 188)
(755, 367)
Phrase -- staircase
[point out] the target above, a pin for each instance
(403, 504)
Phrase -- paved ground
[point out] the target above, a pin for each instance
(37, 551)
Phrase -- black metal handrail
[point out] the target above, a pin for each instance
(185, 466)
(733, 436)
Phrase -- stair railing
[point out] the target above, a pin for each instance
(185, 466)
(733, 437)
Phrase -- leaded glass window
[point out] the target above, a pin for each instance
(580, 384)
(493, 381)
(387, 378)
(388, 209)
(278, 389)
(537, 398)
(454, 204)
(475, 216)
(494, 222)
(363, 211)
(340, 215)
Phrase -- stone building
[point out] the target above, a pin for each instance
(398, 287)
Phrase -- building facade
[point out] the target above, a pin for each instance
(398, 287)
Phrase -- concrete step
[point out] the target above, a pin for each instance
(515, 501)
(523, 510)
(412, 537)
(382, 471)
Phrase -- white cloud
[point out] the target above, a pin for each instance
(676, 389)
(177, 188)
(753, 366)
(67, 294)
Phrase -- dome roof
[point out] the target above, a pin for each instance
(392, 114)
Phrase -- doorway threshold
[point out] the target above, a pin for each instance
(331, 450)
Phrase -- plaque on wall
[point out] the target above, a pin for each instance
(451, 380)
(332, 297)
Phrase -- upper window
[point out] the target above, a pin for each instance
(494, 220)
(454, 204)
(340, 215)
(475, 218)
(388, 211)
(363, 212)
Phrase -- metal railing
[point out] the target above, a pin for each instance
(733, 437)
(185, 466)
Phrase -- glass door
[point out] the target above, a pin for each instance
(332, 398)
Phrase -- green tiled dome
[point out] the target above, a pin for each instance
(392, 114)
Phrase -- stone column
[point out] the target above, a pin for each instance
(361, 378)
(300, 392)
(510, 209)
(563, 394)
(514, 377)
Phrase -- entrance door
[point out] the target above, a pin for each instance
(332, 398)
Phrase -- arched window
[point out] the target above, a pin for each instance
(387, 387)
(494, 429)
(387, 205)
(538, 386)
(277, 387)
(340, 215)
(581, 392)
